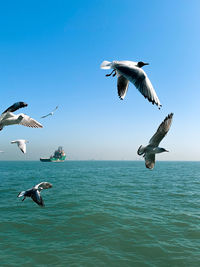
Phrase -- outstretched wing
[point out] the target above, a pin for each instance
(122, 86)
(139, 78)
(161, 131)
(15, 107)
(149, 160)
(21, 194)
(43, 185)
(22, 146)
(55, 108)
(36, 197)
(46, 115)
(29, 122)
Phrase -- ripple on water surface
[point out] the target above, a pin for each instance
(101, 214)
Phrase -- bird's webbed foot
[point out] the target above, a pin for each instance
(23, 198)
(114, 74)
(107, 75)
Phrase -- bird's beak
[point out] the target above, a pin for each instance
(166, 150)
(146, 63)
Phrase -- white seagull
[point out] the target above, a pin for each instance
(152, 148)
(49, 114)
(34, 193)
(21, 144)
(9, 118)
(132, 71)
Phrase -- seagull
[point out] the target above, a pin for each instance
(131, 71)
(9, 118)
(152, 148)
(21, 144)
(51, 113)
(34, 193)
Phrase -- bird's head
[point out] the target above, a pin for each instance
(164, 150)
(141, 64)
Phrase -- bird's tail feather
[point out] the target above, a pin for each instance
(21, 194)
(106, 65)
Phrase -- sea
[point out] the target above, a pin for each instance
(101, 213)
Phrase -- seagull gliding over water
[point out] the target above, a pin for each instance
(49, 114)
(152, 148)
(21, 144)
(9, 118)
(132, 71)
(34, 193)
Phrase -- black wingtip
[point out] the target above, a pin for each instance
(170, 115)
(23, 104)
(16, 106)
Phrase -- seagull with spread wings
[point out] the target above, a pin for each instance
(34, 193)
(129, 71)
(152, 148)
(9, 118)
(49, 114)
(21, 144)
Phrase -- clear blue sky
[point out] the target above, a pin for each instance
(50, 54)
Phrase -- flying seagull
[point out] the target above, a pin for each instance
(152, 148)
(131, 71)
(49, 114)
(21, 144)
(34, 193)
(9, 118)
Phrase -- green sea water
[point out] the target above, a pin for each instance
(101, 213)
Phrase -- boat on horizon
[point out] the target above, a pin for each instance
(58, 156)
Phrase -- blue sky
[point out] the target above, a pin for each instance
(51, 53)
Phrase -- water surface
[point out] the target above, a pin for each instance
(101, 213)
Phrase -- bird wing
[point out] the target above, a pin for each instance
(6, 115)
(161, 131)
(15, 107)
(43, 185)
(36, 197)
(29, 122)
(55, 108)
(21, 194)
(139, 78)
(122, 86)
(22, 146)
(46, 115)
(149, 160)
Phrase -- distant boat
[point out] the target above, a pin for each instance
(59, 156)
